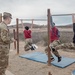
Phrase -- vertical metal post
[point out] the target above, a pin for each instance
(14, 38)
(17, 29)
(49, 51)
(0, 17)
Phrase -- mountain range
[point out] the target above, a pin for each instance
(39, 26)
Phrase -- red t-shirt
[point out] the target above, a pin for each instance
(53, 34)
(27, 34)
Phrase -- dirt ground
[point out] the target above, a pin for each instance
(21, 66)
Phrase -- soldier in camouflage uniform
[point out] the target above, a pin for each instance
(54, 39)
(70, 45)
(5, 40)
(56, 44)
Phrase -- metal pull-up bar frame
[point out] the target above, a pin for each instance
(33, 19)
(63, 14)
(48, 22)
(46, 19)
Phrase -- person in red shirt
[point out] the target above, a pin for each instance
(54, 34)
(28, 38)
(54, 39)
(27, 33)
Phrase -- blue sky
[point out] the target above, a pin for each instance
(38, 9)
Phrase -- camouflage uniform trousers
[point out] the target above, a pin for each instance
(4, 51)
(28, 44)
(53, 45)
(65, 46)
(58, 45)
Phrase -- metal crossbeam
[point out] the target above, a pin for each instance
(62, 14)
(46, 19)
(34, 19)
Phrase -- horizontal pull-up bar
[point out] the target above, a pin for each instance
(46, 19)
(34, 19)
(63, 14)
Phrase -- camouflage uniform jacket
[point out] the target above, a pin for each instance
(4, 35)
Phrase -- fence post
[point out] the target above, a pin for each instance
(49, 73)
(17, 29)
(14, 38)
(49, 51)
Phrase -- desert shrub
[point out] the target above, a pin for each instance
(65, 37)
(45, 39)
(38, 36)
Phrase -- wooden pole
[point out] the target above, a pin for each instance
(49, 73)
(14, 38)
(17, 29)
(0, 17)
(49, 53)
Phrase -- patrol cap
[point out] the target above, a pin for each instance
(6, 14)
